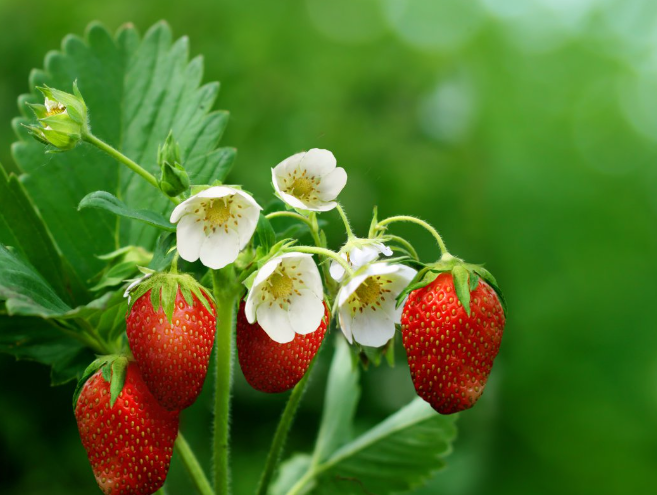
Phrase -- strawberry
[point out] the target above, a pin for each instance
(272, 367)
(452, 333)
(128, 436)
(171, 326)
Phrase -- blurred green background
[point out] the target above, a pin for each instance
(525, 130)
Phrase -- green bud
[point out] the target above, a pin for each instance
(63, 118)
(173, 178)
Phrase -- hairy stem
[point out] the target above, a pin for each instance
(226, 295)
(345, 220)
(325, 252)
(405, 244)
(422, 223)
(116, 154)
(282, 432)
(193, 467)
(290, 214)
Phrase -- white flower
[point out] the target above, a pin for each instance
(367, 303)
(53, 107)
(215, 225)
(286, 297)
(359, 256)
(309, 180)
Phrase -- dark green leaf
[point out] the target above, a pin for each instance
(24, 290)
(266, 234)
(103, 200)
(462, 286)
(163, 254)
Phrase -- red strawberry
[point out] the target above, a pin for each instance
(450, 353)
(172, 341)
(272, 367)
(130, 441)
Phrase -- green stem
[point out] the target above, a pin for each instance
(282, 432)
(405, 218)
(409, 247)
(226, 295)
(296, 488)
(193, 467)
(325, 252)
(290, 214)
(345, 220)
(116, 154)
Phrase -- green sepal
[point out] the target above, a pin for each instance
(164, 286)
(173, 177)
(88, 373)
(461, 276)
(119, 369)
(107, 372)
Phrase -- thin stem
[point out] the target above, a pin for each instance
(296, 488)
(193, 467)
(290, 214)
(405, 218)
(345, 220)
(325, 252)
(282, 432)
(116, 154)
(226, 296)
(407, 245)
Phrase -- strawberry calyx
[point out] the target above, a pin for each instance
(113, 367)
(466, 278)
(163, 287)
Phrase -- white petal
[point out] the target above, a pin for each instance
(318, 162)
(220, 249)
(189, 237)
(372, 328)
(344, 316)
(362, 256)
(293, 202)
(288, 165)
(331, 184)
(187, 206)
(311, 277)
(248, 198)
(249, 308)
(383, 249)
(305, 312)
(347, 290)
(274, 321)
(336, 270)
(266, 270)
(320, 206)
(217, 192)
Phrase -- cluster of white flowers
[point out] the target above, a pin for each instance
(286, 297)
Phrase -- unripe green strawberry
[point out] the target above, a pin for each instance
(272, 367)
(450, 352)
(130, 441)
(171, 338)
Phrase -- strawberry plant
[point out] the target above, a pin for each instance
(127, 257)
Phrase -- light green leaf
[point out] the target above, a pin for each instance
(24, 290)
(22, 227)
(341, 400)
(289, 473)
(137, 91)
(103, 200)
(395, 456)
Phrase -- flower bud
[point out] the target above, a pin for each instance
(63, 118)
(173, 178)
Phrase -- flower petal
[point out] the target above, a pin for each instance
(190, 237)
(288, 165)
(320, 206)
(311, 277)
(318, 162)
(362, 256)
(336, 270)
(217, 192)
(220, 249)
(345, 320)
(293, 202)
(266, 270)
(372, 328)
(274, 321)
(187, 206)
(331, 184)
(305, 312)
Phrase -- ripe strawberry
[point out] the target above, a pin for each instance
(272, 367)
(129, 440)
(450, 352)
(171, 337)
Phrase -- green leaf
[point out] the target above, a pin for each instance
(137, 90)
(24, 290)
(22, 227)
(460, 276)
(266, 234)
(119, 369)
(88, 373)
(289, 472)
(103, 200)
(395, 456)
(341, 400)
(163, 253)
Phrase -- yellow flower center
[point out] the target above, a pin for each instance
(218, 212)
(302, 187)
(281, 286)
(56, 110)
(369, 292)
